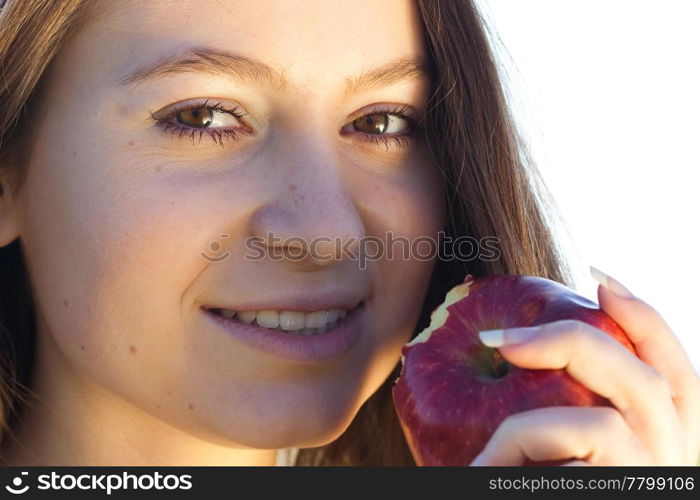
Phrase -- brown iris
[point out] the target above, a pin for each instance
(375, 124)
(196, 117)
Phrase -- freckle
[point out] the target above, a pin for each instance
(75, 153)
(169, 393)
(172, 203)
(159, 168)
(158, 407)
(82, 347)
(191, 407)
(65, 303)
(132, 348)
(131, 143)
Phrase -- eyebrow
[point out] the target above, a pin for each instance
(245, 69)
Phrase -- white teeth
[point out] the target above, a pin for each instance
(290, 320)
(227, 313)
(247, 316)
(332, 315)
(316, 319)
(268, 319)
(313, 323)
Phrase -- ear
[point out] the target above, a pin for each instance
(9, 221)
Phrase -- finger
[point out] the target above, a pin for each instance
(597, 360)
(657, 346)
(596, 435)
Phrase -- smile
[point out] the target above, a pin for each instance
(295, 322)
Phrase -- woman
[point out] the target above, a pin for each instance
(145, 145)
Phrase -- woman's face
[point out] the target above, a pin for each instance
(132, 228)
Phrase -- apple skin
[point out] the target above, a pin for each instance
(453, 391)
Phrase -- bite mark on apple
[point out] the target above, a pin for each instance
(439, 316)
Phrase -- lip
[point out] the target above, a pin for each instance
(321, 348)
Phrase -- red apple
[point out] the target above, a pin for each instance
(453, 391)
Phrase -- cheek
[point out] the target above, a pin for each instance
(406, 214)
(404, 198)
(111, 258)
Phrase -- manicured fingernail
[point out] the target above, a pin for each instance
(611, 283)
(479, 460)
(497, 338)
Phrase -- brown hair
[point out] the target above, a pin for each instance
(492, 190)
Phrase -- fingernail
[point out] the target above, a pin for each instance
(611, 283)
(510, 336)
(479, 460)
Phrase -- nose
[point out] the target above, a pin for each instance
(310, 219)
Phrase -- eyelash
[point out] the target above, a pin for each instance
(220, 135)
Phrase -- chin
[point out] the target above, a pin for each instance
(302, 429)
(283, 434)
(264, 421)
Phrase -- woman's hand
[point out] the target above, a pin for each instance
(656, 397)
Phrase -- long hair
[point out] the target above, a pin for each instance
(492, 190)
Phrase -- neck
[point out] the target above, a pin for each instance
(71, 421)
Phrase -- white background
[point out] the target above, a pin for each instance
(608, 95)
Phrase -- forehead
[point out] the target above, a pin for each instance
(307, 41)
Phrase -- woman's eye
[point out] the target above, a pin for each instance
(380, 123)
(204, 117)
(394, 127)
(217, 121)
